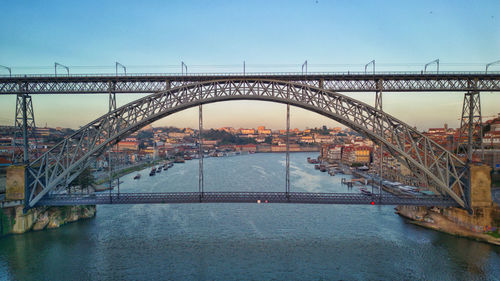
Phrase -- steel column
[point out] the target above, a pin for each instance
(378, 106)
(25, 132)
(378, 95)
(112, 101)
(287, 183)
(200, 151)
(25, 126)
(111, 107)
(471, 132)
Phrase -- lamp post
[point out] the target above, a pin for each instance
(60, 65)
(490, 64)
(372, 62)
(122, 66)
(183, 66)
(8, 68)
(304, 65)
(436, 61)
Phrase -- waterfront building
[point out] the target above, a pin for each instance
(334, 153)
(128, 144)
(247, 148)
(362, 154)
(247, 131)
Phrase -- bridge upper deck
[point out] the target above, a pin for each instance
(338, 81)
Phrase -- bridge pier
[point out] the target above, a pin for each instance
(200, 152)
(471, 133)
(25, 127)
(287, 179)
(483, 215)
(378, 106)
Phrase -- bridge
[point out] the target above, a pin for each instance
(338, 82)
(436, 168)
(243, 197)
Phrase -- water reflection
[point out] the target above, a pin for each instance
(244, 241)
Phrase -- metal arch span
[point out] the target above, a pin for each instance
(434, 165)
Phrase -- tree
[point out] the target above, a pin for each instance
(85, 179)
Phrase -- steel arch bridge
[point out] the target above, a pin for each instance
(439, 169)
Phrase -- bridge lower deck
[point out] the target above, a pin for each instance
(242, 197)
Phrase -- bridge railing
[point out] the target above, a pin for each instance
(222, 74)
(243, 197)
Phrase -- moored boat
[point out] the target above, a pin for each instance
(179, 159)
(138, 176)
(312, 160)
(364, 191)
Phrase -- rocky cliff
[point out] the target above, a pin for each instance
(13, 221)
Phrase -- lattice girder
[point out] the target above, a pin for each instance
(390, 82)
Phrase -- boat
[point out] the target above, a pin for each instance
(312, 160)
(153, 172)
(158, 170)
(322, 168)
(316, 167)
(138, 176)
(179, 159)
(187, 157)
(364, 191)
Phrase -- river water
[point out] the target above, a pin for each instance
(244, 241)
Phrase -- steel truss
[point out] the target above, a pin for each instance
(142, 83)
(437, 168)
(471, 130)
(25, 128)
(242, 197)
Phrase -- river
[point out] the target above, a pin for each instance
(244, 241)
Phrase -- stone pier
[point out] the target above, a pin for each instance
(484, 222)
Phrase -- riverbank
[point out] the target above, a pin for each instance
(481, 226)
(101, 184)
(14, 221)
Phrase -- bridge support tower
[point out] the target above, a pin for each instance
(287, 180)
(470, 136)
(471, 132)
(378, 106)
(24, 127)
(200, 152)
(112, 107)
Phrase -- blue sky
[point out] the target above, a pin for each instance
(216, 36)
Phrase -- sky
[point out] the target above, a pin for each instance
(217, 36)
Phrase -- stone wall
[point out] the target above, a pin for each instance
(13, 221)
(480, 186)
(483, 219)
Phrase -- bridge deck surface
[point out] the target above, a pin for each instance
(242, 197)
